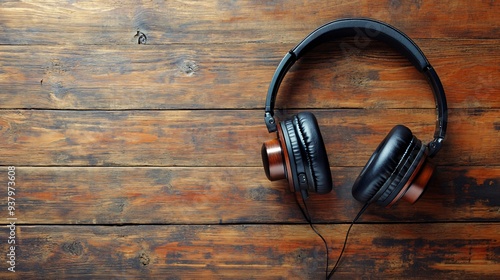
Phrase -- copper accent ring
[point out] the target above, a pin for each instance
(276, 159)
(417, 182)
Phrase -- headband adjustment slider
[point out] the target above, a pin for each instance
(270, 122)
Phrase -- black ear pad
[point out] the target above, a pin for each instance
(294, 152)
(401, 176)
(313, 151)
(389, 168)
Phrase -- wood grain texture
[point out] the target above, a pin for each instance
(225, 138)
(153, 195)
(135, 128)
(237, 76)
(213, 22)
(256, 251)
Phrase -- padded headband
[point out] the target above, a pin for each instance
(368, 28)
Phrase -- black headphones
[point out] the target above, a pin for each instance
(399, 168)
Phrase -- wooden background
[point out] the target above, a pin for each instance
(143, 160)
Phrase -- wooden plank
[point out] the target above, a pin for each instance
(75, 195)
(225, 138)
(454, 251)
(112, 22)
(131, 141)
(189, 76)
(448, 251)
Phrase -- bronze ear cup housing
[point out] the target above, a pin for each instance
(276, 160)
(417, 184)
(272, 159)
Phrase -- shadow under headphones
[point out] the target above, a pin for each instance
(399, 167)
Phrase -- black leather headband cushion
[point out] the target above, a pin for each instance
(382, 165)
(310, 137)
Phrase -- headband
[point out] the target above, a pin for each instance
(371, 29)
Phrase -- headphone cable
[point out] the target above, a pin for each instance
(345, 241)
(307, 216)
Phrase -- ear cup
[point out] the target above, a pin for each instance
(313, 152)
(390, 167)
(299, 155)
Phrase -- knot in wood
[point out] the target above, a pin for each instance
(74, 248)
(188, 67)
(141, 37)
(144, 259)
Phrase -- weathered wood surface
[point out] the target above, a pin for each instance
(155, 195)
(143, 160)
(226, 138)
(215, 22)
(412, 251)
(237, 75)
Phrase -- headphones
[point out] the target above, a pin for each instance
(399, 167)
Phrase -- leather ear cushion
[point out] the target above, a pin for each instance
(403, 174)
(293, 148)
(382, 164)
(314, 149)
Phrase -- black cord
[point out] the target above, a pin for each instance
(345, 241)
(307, 216)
